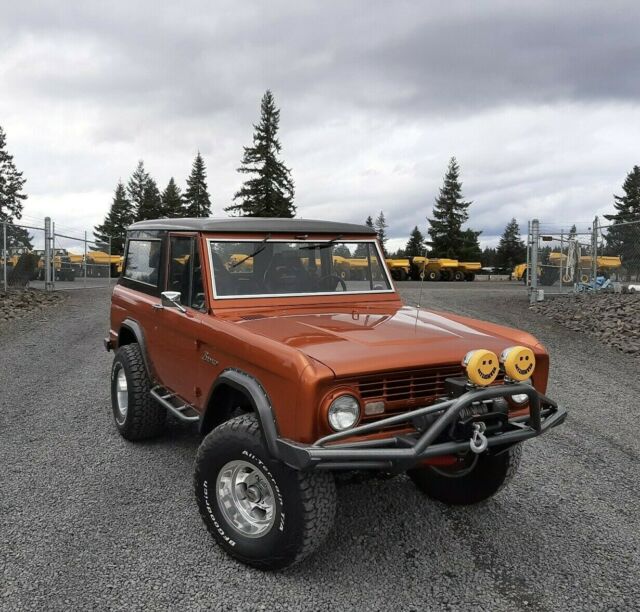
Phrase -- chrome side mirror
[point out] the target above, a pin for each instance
(171, 299)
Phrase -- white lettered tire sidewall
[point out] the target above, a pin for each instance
(304, 503)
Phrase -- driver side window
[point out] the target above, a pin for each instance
(185, 271)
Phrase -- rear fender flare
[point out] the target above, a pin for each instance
(136, 329)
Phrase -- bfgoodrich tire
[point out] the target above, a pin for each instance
(260, 511)
(477, 479)
(136, 414)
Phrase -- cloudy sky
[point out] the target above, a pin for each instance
(539, 101)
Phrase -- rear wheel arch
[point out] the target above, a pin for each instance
(131, 332)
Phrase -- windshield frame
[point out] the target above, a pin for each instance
(328, 239)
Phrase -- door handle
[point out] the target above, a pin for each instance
(157, 306)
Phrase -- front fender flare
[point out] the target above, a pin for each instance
(259, 400)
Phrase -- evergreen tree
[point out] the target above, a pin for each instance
(151, 205)
(380, 226)
(415, 244)
(623, 236)
(114, 227)
(136, 186)
(342, 250)
(270, 191)
(470, 249)
(11, 198)
(449, 214)
(573, 231)
(489, 257)
(197, 202)
(511, 249)
(361, 249)
(172, 201)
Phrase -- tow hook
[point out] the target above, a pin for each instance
(478, 442)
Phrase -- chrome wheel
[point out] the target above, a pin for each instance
(122, 395)
(246, 498)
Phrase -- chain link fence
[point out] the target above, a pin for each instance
(582, 259)
(40, 257)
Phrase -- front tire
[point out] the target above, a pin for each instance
(136, 414)
(478, 478)
(259, 510)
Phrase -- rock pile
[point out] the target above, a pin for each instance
(612, 317)
(16, 304)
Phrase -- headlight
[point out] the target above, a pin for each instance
(521, 398)
(481, 366)
(344, 412)
(518, 362)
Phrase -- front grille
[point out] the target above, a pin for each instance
(407, 389)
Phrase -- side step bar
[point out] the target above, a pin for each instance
(181, 410)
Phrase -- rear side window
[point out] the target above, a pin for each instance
(143, 261)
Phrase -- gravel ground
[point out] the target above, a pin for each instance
(90, 521)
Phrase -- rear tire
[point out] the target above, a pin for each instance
(136, 414)
(470, 484)
(259, 510)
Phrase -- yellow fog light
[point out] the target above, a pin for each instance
(518, 362)
(481, 366)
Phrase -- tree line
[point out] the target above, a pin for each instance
(447, 237)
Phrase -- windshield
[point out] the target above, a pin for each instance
(271, 268)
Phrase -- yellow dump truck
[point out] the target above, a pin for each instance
(550, 272)
(440, 268)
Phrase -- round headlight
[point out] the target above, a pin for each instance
(481, 366)
(518, 362)
(343, 412)
(521, 398)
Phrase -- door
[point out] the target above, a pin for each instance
(178, 361)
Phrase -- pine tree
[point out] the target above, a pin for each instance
(11, 198)
(361, 249)
(114, 227)
(270, 192)
(415, 244)
(380, 226)
(623, 236)
(197, 201)
(511, 249)
(136, 186)
(151, 205)
(449, 214)
(172, 201)
(470, 249)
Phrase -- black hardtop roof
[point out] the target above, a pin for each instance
(253, 224)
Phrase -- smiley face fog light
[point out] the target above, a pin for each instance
(481, 366)
(518, 362)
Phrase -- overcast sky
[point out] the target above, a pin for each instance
(539, 101)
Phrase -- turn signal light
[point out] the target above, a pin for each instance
(482, 367)
(518, 362)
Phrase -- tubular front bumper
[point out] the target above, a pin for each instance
(401, 452)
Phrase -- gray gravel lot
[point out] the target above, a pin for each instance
(90, 521)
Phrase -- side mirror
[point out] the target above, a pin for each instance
(171, 299)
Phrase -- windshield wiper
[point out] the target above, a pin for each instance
(262, 247)
(322, 245)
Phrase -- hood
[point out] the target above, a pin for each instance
(353, 342)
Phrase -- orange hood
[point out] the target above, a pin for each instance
(352, 342)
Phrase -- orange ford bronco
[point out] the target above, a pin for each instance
(294, 371)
